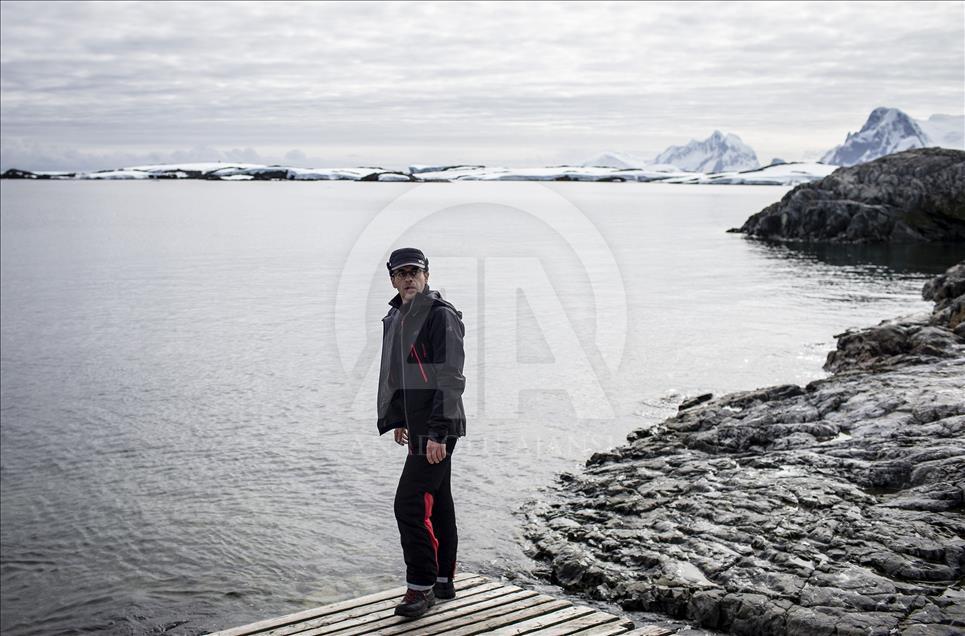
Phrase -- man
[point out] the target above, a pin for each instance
(420, 398)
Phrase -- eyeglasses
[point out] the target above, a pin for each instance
(402, 274)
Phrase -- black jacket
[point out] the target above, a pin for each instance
(421, 380)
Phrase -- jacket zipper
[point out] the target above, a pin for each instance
(405, 406)
(425, 378)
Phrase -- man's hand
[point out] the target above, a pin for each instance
(435, 452)
(401, 436)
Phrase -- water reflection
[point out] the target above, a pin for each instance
(878, 259)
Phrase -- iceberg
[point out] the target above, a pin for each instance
(792, 173)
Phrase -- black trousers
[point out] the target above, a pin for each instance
(427, 519)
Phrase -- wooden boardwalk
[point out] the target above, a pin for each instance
(481, 606)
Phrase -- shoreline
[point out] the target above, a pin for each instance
(831, 508)
(784, 174)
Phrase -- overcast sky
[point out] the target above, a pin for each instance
(95, 85)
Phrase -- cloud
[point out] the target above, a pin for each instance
(343, 79)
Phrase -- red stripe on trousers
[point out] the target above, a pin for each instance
(428, 523)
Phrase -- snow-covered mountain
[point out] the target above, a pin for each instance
(620, 160)
(717, 153)
(891, 130)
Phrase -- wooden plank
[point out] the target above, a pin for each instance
(495, 619)
(374, 611)
(536, 623)
(481, 606)
(448, 617)
(296, 617)
(440, 619)
(610, 629)
(584, 623)
(386, 618)
(650, 630)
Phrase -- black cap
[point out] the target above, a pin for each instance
(407, 256)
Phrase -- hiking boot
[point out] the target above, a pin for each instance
(415, 603)
(445, 590)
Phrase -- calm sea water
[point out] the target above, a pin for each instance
(187, 371)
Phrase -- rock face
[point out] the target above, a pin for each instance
(835, 508)
(948, 292)
(896, 342)
(13, 173)
(916, 195)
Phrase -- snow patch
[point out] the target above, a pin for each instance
(780, 174)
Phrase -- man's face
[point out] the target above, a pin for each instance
(409, 281)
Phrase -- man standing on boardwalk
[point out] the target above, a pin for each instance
(420, 397)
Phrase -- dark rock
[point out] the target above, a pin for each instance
(603, 457)
(379, 176)
(278, 174)
(948, 293)
(704, 608)
(910, 196)
(833, 509)
(932, 630)
(14, 173)
(802, 621)
(691, 402)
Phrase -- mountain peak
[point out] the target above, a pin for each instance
(886, 131)
(717, 153)
(611, 159)
(881, 112)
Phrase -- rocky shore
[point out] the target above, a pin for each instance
(915, 195)
(833, 508)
